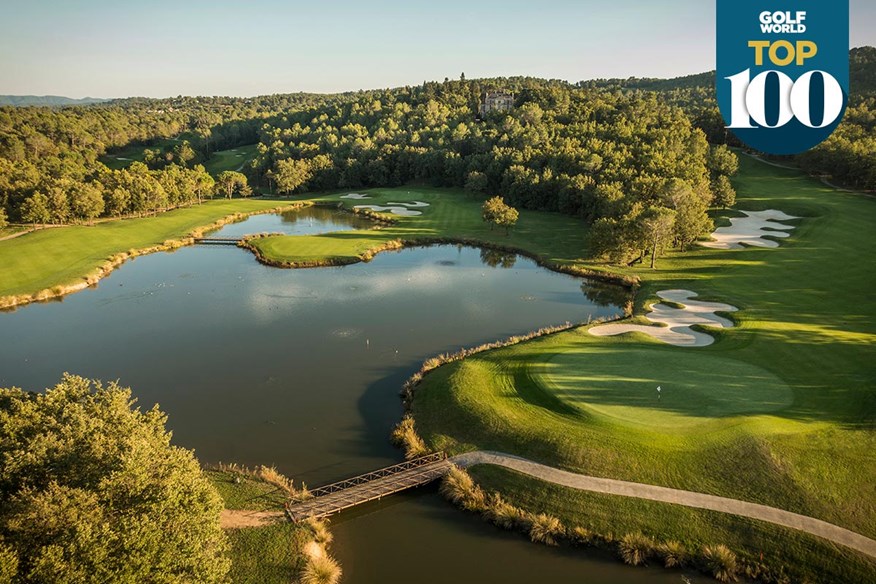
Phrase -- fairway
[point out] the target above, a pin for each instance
(234, 159)
(779, 410)
(695, 387)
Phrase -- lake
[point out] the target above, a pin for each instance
(302, 369)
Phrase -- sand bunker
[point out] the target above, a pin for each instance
(749, 230)
(400, 209)
(677, 320)
(355, 196)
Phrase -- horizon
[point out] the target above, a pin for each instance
(105, 51)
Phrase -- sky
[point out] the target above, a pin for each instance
(160, 48)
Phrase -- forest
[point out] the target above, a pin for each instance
(640, 159)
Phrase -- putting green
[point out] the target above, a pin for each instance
(695, 387)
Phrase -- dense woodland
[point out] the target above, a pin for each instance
(640, 159)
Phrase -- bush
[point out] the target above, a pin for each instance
(720, 562)
(546, 529)
(405, 436)
(674, 554)
(321, 570)
(458, 487)
(636, 548)
(504, 514)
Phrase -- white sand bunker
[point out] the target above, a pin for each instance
(400, 209)
(749, 230)
(677, 320)
(355, 196)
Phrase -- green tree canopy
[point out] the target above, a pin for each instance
(93, 491)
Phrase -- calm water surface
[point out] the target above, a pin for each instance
(301, 369)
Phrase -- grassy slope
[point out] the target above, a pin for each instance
(805, 326)
(452, 213)
(262, 555)
(232, 159)
(805, 557)
(50, 257)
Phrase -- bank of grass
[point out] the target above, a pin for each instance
(277, 553)
(453, 215)
(779, 411)
(58, 257)
(787, 553)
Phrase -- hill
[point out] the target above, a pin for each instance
(47, 100)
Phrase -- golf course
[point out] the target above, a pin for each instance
(778, 411)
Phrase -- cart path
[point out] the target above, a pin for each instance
(810, 525)
(239, 518)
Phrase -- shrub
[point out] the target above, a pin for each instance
(405, 436)
(458, 487)
(546, 529)
(720, 562)
(504, 514)
(320, 531)
(636, 548)
(674, 554)
(581, 536)
(321, 570)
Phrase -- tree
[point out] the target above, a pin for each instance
(93, 491)
(496, 212)
(291, 174)
(35, 209)
(723, 193)
(86, 201)
(657, 224)
(690, 206)
(507, 218)
(722, 161)
(184, 153)
(229, 183)
(476, 182)
(4, 221)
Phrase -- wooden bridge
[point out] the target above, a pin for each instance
(336, 497)
(218, 240)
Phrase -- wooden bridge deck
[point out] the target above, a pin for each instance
(218, 240)
(336, 497)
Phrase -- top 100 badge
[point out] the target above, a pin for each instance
(782, 71)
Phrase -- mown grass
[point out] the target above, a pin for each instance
(52, 257)
(779, 411)
(240, 491)
(266, 555)
(452, 214)
(232, 159)
(271, 554)
(123, 157)
(803, 556)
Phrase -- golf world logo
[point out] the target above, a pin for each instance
(782, 71)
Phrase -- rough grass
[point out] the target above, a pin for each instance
(779, 411)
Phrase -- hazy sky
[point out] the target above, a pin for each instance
(159, 48)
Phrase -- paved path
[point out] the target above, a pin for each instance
(810, 525)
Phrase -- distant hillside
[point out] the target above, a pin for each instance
(698, 80)
(862, 77)
(46, 100)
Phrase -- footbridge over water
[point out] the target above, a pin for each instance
(218, 240)
(336, 497)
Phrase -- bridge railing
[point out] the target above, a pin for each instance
(379, 474)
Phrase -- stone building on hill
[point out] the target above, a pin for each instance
(496, 101)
